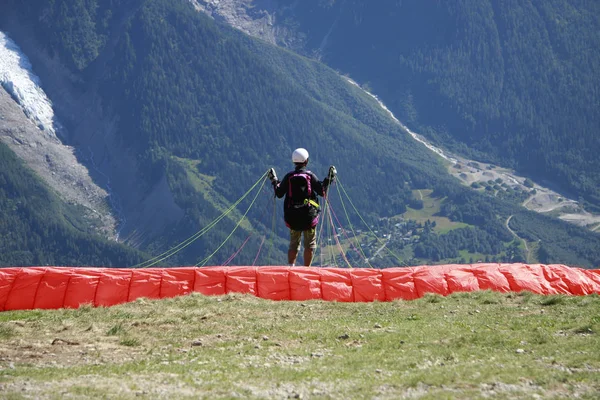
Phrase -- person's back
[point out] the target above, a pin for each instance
(301, 205)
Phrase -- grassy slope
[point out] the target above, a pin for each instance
(471, 345)
(430, 211)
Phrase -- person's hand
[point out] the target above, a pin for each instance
(272, 176)
(332, 172)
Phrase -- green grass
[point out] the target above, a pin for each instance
(203, 184)
(467, 345)
(6, 331)
(431, 207)
(468, 255)
(534, 249)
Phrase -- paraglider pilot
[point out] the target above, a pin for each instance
(301, 205)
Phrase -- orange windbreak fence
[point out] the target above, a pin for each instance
(27, 288)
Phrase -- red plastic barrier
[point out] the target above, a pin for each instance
(51, 290)
(336, 284)
(210, 281)
(67, 287)
(23, 290)
(489, 277)
(273, 283)
(367, 285)
(399, 284)
(305, 284)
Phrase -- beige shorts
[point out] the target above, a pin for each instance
(310, 239)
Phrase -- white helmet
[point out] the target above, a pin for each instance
(300, 156)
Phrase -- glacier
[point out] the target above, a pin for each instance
(40, 146)
(18, 79)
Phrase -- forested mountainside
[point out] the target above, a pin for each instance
(514, 82)
(36, 228)
(184, 114)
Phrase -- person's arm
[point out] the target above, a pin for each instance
(281, 187)
(331, 174)
(317, 186)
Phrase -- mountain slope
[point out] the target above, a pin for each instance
(195, 90)
(514, 81)
(182, 114)
(38, 229)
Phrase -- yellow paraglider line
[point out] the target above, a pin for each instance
(176, 249)
(203, 262)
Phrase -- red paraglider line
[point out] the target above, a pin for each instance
(238, 250)
(346, 235)
(259, 249)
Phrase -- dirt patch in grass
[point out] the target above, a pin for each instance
(65, 346)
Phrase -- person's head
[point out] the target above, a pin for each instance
(300, 157)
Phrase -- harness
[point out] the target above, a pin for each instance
(304, 190)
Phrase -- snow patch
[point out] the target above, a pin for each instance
(414, 135)
(17, 77)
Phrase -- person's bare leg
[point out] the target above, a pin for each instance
(292, 254)
(308, 256)
(295, 237)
